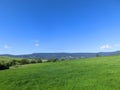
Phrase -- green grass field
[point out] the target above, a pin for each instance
(101, 73)
(7, 59)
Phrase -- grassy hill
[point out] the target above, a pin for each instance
(6, 59)
(101, 73)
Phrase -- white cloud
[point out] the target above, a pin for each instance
(6, 46)
(105, 46)
(37, 44)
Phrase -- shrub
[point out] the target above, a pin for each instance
(36, 61)
(13, 62)
(24, 61)
(48, 60)
(53, 60)
(33, 61)
(62, 59)
(97, 55)
(39, 61)
(4, 66)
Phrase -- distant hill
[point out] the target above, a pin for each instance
(62, 55)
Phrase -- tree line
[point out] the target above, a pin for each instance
(6, 65)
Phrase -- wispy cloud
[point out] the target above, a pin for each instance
(6, 46)
(105, 46)
(37, 44)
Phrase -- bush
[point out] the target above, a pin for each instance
(36, 61)
(62, 59)
(97, 55)
(24, 61)
(39, 61)
(53, 60)
(4, 66)
(13, 62)
(48, 60)
(33, 61)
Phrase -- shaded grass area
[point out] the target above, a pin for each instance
(101, 73)
(7, 62)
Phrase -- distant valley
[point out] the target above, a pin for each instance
(62, 55)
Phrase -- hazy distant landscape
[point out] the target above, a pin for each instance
(63, 55)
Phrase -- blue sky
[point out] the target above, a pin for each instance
(31, 26)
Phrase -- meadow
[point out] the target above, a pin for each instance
(99, 73)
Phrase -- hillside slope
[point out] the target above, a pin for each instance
(101, 73)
